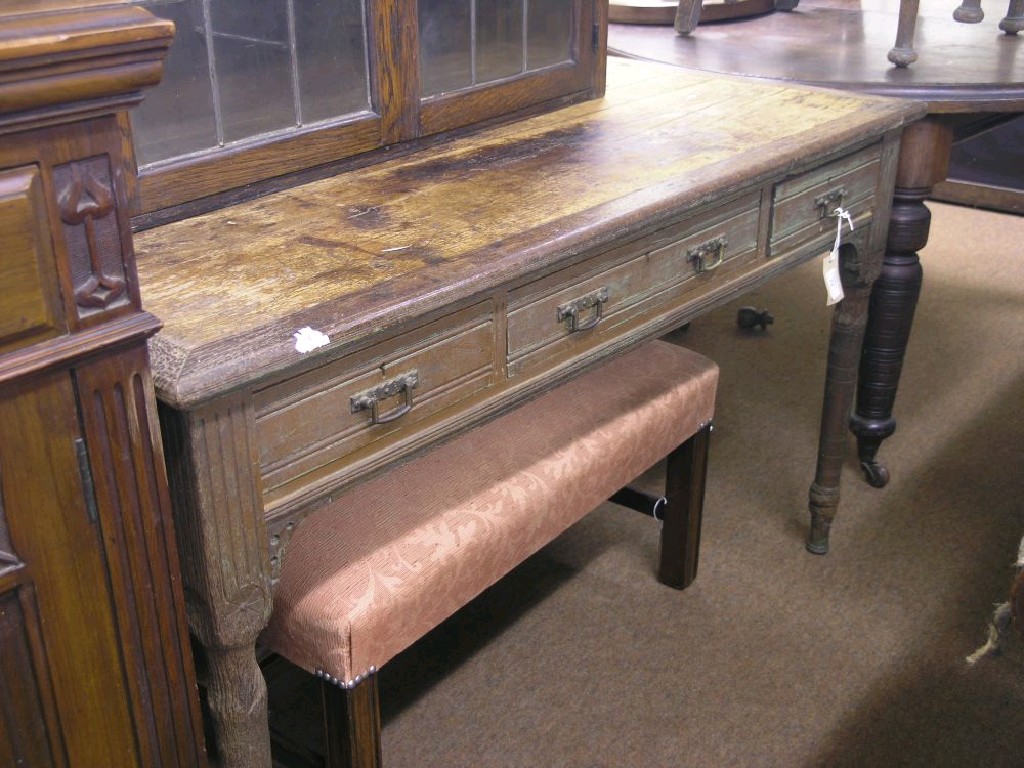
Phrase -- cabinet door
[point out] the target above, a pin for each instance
(480, 59)
(255, 89)
(64, 694)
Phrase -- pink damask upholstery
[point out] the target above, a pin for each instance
(390, 559)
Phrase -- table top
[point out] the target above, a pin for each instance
(843, 44)
(369, 250)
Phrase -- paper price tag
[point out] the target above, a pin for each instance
(830, 267)
(833, 283)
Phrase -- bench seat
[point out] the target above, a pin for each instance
(390, 559)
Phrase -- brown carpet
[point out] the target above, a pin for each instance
(774, 657)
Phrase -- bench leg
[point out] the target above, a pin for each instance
(352, 724)
(684, 491)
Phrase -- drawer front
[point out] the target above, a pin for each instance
(308, 425)
(30, 310)
(578, 308)
(803, 208)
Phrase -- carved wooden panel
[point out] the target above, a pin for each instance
(47, 526)
(29, 309)
(24, 737)
(119, 417)
(87, 205)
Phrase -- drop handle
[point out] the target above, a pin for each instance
(830, 201)
(370, 399)
(708, 255)
(571, 310)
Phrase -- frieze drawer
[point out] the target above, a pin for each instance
(30, 304)
(307, 426)
(803, 207)
(577, 308)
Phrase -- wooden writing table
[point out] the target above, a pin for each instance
(460, 280)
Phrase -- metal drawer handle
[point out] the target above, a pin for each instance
(714, 248)
(827, 203)
(370, 398)
(572, 309)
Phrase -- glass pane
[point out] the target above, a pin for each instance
(499, 39)
(446, 62)
(549, 33)
(252, 59)
(276, 64)
(177, 116)
(331, 48)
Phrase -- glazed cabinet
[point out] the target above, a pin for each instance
(95, 666)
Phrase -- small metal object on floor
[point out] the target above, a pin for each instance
(748, 318)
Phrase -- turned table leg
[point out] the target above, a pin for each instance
(1013, 21)
(924, 159)
(846, 336)
(902, 54)
(236, 697)
(969, 12)
(687, 16)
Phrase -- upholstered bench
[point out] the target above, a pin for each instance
(390, 559)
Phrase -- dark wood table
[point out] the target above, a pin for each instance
(970, 76)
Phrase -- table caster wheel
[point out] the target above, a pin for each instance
(876, 475)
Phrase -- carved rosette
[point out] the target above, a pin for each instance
(88, 211)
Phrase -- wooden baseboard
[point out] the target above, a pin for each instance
(989, 196)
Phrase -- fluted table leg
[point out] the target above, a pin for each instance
(226, 568)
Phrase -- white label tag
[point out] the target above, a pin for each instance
(830, 267)
(833, 283)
